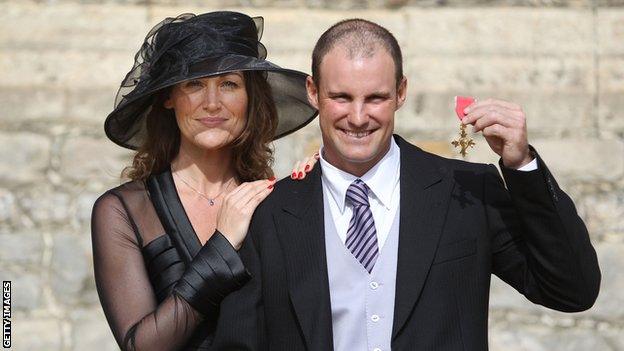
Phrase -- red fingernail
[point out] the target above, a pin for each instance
(293, 176)
(272, 179)
(307, 168)
(300, 175)
(270, 186)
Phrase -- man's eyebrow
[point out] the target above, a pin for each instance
(381, 93)
(337, 94)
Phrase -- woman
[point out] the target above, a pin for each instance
(200, 106)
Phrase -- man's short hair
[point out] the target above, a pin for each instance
(361, 38)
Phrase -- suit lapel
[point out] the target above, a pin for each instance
(425, 194)
(302, 236)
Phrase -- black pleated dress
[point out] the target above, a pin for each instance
(143, 243)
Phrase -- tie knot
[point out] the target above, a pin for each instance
(357, 193)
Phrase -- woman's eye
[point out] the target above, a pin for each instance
(230, 84)
(194, 83)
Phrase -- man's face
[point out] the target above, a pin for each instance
(356, 98)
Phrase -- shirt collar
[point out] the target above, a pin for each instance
(381, 179)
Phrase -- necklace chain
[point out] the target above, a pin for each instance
(211, 200)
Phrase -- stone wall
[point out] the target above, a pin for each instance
(61, 63)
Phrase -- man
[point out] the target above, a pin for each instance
(384, 246)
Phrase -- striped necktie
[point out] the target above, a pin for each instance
(361, 235)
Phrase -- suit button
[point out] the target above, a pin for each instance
(374, 285)
(375, 318)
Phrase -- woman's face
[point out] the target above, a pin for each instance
(211, 112)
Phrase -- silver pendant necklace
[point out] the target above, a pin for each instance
(211, 200)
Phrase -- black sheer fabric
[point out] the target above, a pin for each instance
(159, 287)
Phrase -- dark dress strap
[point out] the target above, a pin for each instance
(169, 208)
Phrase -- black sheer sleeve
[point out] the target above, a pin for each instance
(136, 318)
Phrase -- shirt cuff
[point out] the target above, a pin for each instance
(531, 166)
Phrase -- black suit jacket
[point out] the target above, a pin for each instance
(458, 225)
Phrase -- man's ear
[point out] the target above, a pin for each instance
(402, 92)
(312, 90)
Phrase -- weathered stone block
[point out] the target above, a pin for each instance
(611, 75)
(25, 287)
(8, 209)
(28, 25)
(610, 303)
(42, 333)
(604, 213)
(611, 114)
(288, 150)
(296, 60)
(580, 159)
(21, 248)
(486, 73)
(281, 36)
(71, 267)
(45, 205)
(505, 31)
(610, 102)
(539, 338)
(91, 105)
(85, 158)
(504, 297)
(548, 113)
(64, 68)
(90, 331)
(84, 205)
(25, 104)
(163, 9)
(610, 30)
(25, 156)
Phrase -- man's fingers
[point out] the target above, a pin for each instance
(495, 117)
(494, 102)
(496, 130)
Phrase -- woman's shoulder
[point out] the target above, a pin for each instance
(126, 190)
(121, 195)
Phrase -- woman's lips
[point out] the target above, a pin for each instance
(212, 121)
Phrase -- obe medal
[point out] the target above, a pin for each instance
(464, 141)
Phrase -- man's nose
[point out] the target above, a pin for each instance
(358, 116)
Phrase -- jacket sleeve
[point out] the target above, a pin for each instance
(240, 325)
(540, 245)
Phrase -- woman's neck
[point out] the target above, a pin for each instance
(208, 170)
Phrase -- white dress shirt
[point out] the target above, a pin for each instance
(384, 194)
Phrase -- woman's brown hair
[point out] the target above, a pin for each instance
(251, 151)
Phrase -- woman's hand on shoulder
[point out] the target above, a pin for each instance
(238, 206)
(302, 167)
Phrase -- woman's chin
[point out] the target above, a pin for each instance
(213, 141)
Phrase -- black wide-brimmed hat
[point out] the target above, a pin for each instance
(189, 47)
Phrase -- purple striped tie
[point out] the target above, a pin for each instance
(361, 236)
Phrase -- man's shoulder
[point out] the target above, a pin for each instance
(287, 190)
